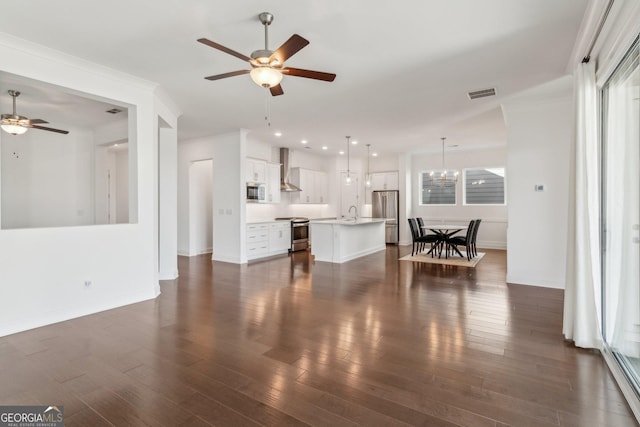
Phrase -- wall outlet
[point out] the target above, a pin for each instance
(539, 187)
(87, 283)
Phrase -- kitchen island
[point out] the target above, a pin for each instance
(341, 240)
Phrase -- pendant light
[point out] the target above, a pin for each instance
(347, 180)
(367, 181)
(446, 178)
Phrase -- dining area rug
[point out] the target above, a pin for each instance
(452, 260)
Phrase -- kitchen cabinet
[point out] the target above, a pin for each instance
(268, 238)
(256, 170)
(381, 181)
(273, 183)
(279, 237)
(313, 185)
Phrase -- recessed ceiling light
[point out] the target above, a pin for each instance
(115, 145)
(278, 134)
(324, 147)
(304, 141)
(341, 152)
(354, 142)
(375, 154)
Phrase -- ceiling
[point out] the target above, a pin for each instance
(403, 70)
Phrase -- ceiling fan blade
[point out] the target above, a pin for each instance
(289, 48)
(230, 74)
(276, 90)
(38, 121)
(309, 74)
(49, 129)
(224, 49)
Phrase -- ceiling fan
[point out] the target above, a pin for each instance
(267, 65)
(17, 125)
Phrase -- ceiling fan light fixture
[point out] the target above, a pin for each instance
(13, 124)
(266, 76)
(13, 129)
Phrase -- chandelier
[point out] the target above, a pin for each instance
(443, 177)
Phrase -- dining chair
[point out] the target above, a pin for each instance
(420, 241)
(474, 236)
(463, 240)
(421, 226)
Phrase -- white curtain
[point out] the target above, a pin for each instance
(582, 300)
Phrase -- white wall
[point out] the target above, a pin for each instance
(539, 127)
(201, 207)
(43, 271)
(47, 179)
(493, 228)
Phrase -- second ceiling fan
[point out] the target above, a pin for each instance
(268, 66)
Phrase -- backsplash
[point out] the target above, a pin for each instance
(266, 211)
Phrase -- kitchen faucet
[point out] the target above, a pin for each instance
(354, 207)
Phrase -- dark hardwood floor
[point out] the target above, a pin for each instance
(373, 342)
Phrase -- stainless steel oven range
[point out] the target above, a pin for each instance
(299, 233)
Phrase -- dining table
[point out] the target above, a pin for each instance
(444, 233)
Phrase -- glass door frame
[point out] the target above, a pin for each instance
(628, 381)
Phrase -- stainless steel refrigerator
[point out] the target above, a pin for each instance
(385, 204)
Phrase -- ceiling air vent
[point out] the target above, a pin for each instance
(482, 93)
(114, 111)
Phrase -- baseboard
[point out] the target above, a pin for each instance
(492, 245)
(190, 254)
(528, 281)
(229, 259)
(62, 316)
(168, 276)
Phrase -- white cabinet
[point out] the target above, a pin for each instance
(256, 170)
(313, 185)
(273, 183)
(268, 238)
(320, 188)
(384, 181)
(279, 237)
(257, 240)
(381, 181)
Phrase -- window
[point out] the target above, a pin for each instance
(432, 192)
(484, 186)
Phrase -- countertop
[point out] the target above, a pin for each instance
(267, 221)
(349, 221)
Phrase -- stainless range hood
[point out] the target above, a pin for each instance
(285, 184)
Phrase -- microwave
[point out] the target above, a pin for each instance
(256, 192)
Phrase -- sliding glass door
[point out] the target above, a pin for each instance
(621, 215)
